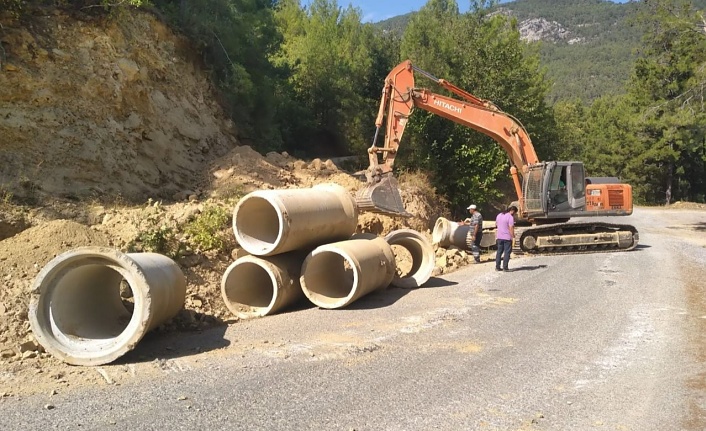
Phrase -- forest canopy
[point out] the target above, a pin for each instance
(307, 79)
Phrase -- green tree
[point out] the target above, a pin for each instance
(236, 38)
(668, 84)
(327, 51)
(571, 128)
(611, 146)
(484, 55)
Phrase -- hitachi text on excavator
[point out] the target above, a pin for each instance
(549, 193)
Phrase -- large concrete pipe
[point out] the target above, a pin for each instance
(447, 233)
(91, 305)
(334, 275)
(258, 286)
(269, 222)
(417, 272)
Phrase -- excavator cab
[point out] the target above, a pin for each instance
(554, 190)
(566, 187)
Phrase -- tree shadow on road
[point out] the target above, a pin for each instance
(701, 227)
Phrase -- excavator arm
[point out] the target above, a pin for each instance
(399, 98)
(538, 201)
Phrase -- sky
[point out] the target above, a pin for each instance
(378, 10)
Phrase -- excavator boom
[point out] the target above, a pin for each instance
(399, 98)
(548, 193)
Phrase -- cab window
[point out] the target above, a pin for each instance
(578, 187)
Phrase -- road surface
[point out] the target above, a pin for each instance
(608, 341)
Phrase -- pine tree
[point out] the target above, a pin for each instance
(484, 55)
(668, 84)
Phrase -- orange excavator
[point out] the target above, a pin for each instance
(549, 194)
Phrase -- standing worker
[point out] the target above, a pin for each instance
(504, 236)
(475, 233)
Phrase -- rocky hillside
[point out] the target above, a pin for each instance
(95, 107)
(110, 135)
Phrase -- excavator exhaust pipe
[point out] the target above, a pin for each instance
(382, 197)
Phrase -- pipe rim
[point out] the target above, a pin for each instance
(253, 244)
(60, 345)
(313, 296)
(440, 231)
(423, 258)
(258, 311)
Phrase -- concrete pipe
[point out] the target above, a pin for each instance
(417, 272)
(269, 222)
(334, 275)
(259, 286)
(447, 233)
(91, 305)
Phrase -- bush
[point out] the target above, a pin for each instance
(205, 233)
(154, 235)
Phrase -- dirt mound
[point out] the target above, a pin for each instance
(687, 205)
(244, 170)
(21, 258)
(125, 228)
(96, 114)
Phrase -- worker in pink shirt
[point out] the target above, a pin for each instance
(504, 236)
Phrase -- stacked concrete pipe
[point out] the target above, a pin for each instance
(337, 274)
(270, 222)
(259, 286)
(275, 227)
(77, 311)
(421, 253)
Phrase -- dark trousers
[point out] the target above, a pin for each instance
(504, 249)
(474, 246)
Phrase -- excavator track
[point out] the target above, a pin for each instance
(577, 238)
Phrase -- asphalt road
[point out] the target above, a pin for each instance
(611, 341)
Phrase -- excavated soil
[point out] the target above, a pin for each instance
(108, 128)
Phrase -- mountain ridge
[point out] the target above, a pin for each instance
(587, 46)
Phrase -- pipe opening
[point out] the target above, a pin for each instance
(258, 222)
(329, 277)
(440, 232)
(249, 289)
(414, 258)
(91, 304)
(404, 260)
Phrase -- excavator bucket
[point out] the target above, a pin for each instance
(382, 197)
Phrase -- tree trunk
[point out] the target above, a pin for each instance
(670, 179)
